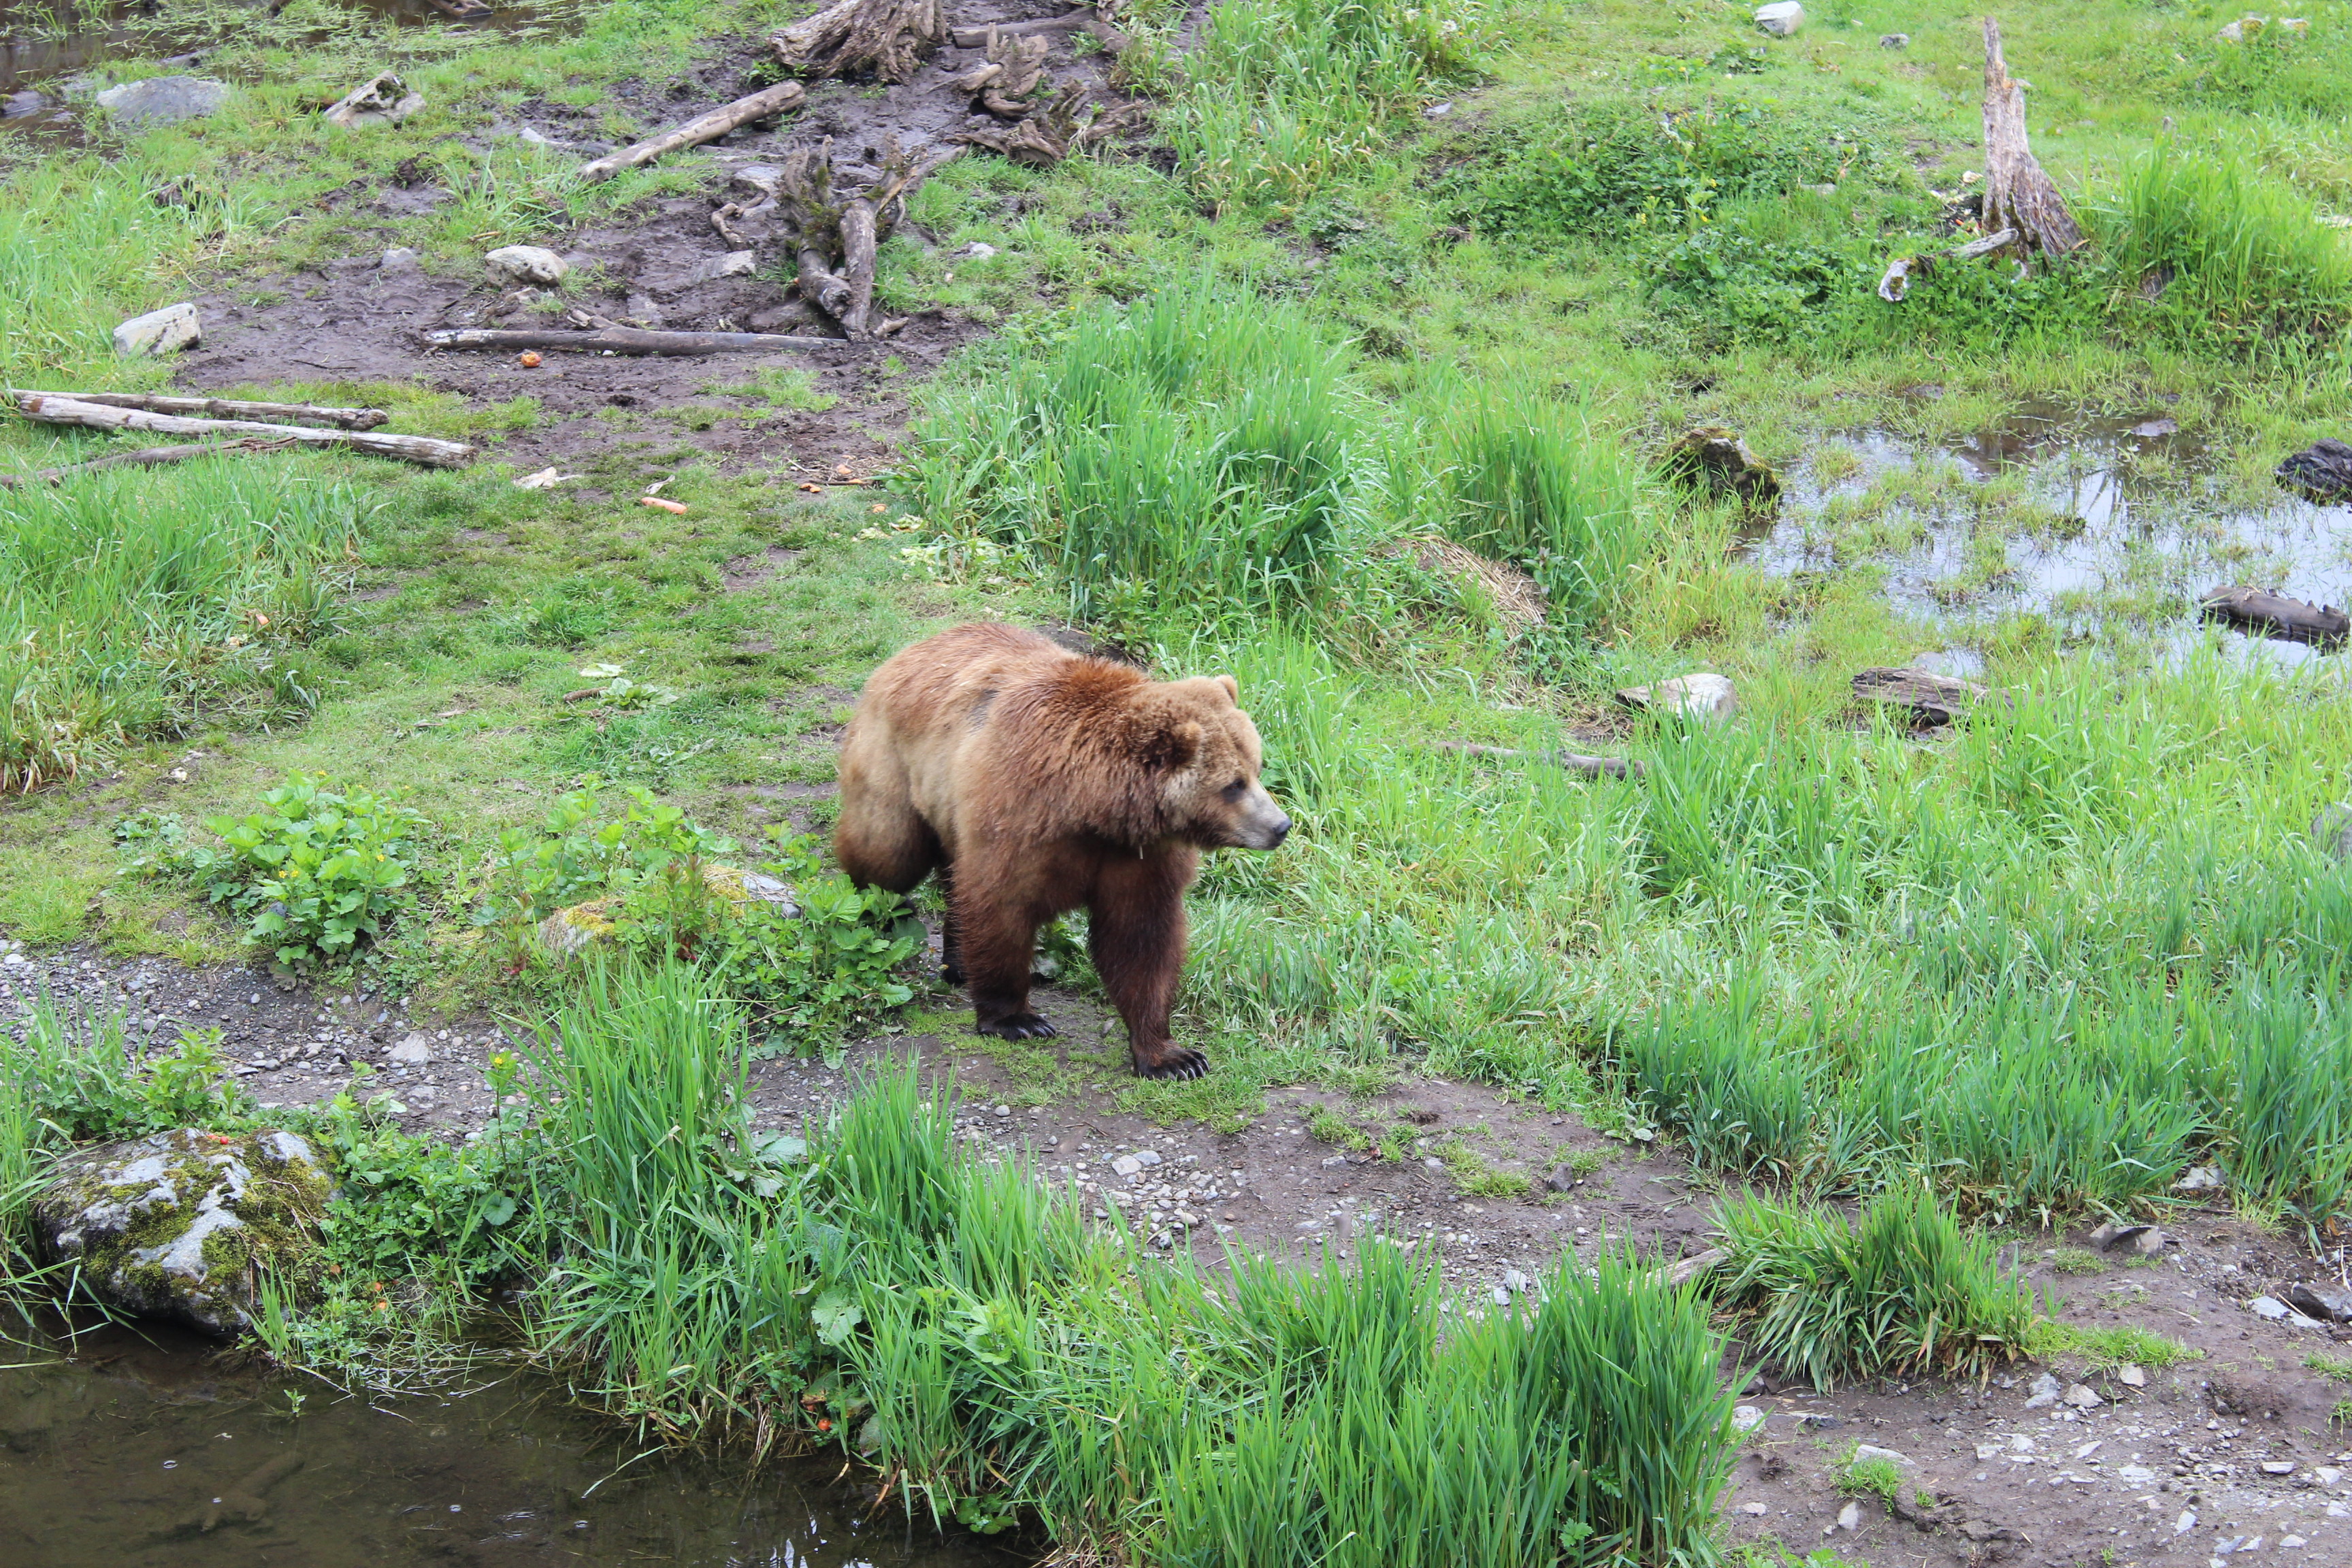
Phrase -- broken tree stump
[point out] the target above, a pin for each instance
(761, 105)
(1928, 699)
(835, 236)
(2276, 615)
(889, 38)
(1008, 79)
(2018, 195)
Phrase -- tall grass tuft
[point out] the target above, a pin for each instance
(2224, 249)
(1206, 445)
(1903, 1292)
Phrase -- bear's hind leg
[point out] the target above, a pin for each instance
(993, 948)
(880, 840)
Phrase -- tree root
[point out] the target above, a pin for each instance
(888, 38)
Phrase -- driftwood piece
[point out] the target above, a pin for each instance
(1011, 74)
(224, 407)
(1089, 21)
(1898, 281)
(2321, 472)
(51, 409)
(2018, 195)
(627, 340)
(837, 235)
(2275, 615)
(1930, 699)
(1689, 1269)
(761, 105)
(890, 38)
(146, 458)
(1045, 139)
(1573, 762)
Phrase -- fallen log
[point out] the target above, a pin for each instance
(1929, 698)
(1573, 762)
(768, 102)
(49, 409)
(2018, 194)
(223, 407)
(1087, 21)
(2275, 615)
(627, 341)
(146, 458)
(1898, 281)
(1675, 1275)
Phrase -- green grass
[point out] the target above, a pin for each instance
(2101, 1348)
(2337, 1367)
(1874, 1477)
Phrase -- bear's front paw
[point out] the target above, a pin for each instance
(1017, 1026)
(1171, 1061)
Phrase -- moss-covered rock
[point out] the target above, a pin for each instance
(573, 931)
(180, 1225)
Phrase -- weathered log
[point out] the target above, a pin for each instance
(1043, 139)
(2321, 472)
(1898, 281)
(838, 235)
(2275, 615)
(1573, 762)
(1681, 1273)
(889, 37)
(2018, 195)
(627, 340)
(146, 457)
(1089, 21)
(768, 102)
(223, 407)
(1930, 699)
(51, 409)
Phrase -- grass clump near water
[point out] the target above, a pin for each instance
(1903, 1292)
(956, 1324)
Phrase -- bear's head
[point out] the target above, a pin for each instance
(1203, 756)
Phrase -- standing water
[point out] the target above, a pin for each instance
(139, 1450)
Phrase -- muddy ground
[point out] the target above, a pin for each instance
(2230, 1456)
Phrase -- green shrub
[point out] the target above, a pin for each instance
(77, 1075)
(318, 867)
(1902, 1292)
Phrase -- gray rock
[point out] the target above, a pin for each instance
(734, 263)
(2200, 1179)
(1146, 1157)
(1850, 1517)
(2278, 1312)
(384, 100)
(1781, 18)
(2082, 1397)
(1720, 462)
(526, 264)
(977, 250)
(2044, 1392)
(1893, 40)
(1127, 1165)
(2334, 1306)
(164, 100)
(2332, 830)
(1866, 1451)
(180, 1225)
(399, 259)
(2131, 1375)
(163, 332)
(17, 105)
(1706, 698)
(764, 180)
(1746, 1418)
(413, 1051)
(2145, 1239)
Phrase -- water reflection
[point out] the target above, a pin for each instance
(146, 1451)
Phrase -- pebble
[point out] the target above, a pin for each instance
(1850, 1517)
(1127, 1165)
(2131, 1376)
(2082, 1398)
(1756, 1508)
(1866, 1451)
(2045, 1392)
(2278, 1467)
(1746, 1418)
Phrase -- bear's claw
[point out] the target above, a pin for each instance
(1176, 1062)
(1018, 1026)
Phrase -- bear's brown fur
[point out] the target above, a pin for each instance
(1036, 781)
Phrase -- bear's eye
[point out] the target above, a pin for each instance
(1237, 789)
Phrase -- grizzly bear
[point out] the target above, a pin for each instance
(1036, 780)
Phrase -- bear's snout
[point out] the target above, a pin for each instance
(1265, 825)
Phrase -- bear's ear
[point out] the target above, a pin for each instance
(1172, 747)
(1232, 688)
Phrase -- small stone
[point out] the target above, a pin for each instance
(976, 252)
(1988, 1450)
(1127, 1165)
(413, 1050)
(2044, 1392)
(2186, 1522)
(1745, 1419)
(384, 100)
(1515, 1279)
(2135, 1475)
(1560, 1179)
(1850, 1517)
(14, 961)
(163, 332)
(2270, 1306)
(1146, 1157)
(2082, 1397)
(2208, 1178)
(399, 259)
(526, 264)
(164, 100)
(1781, 18)
(2140, 1238)
(2131, 1376)
(1893, 40)
(1718, 461)
(2291, 1542)
(734, 263)
(1707, 697)
(2278, 1467)
(17, 105)
(2327, 1475)
(1502, 1297)
(1004, 1111)
(1754, 1510)
(2334, 1306)
(764, 180)
(1432, 1162)
(1864, 1451)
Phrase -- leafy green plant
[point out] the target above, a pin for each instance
(317, 869)
(573, 856)
(1875, 1477)
(2106, 1346)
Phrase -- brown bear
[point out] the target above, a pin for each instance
(1035, 780)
